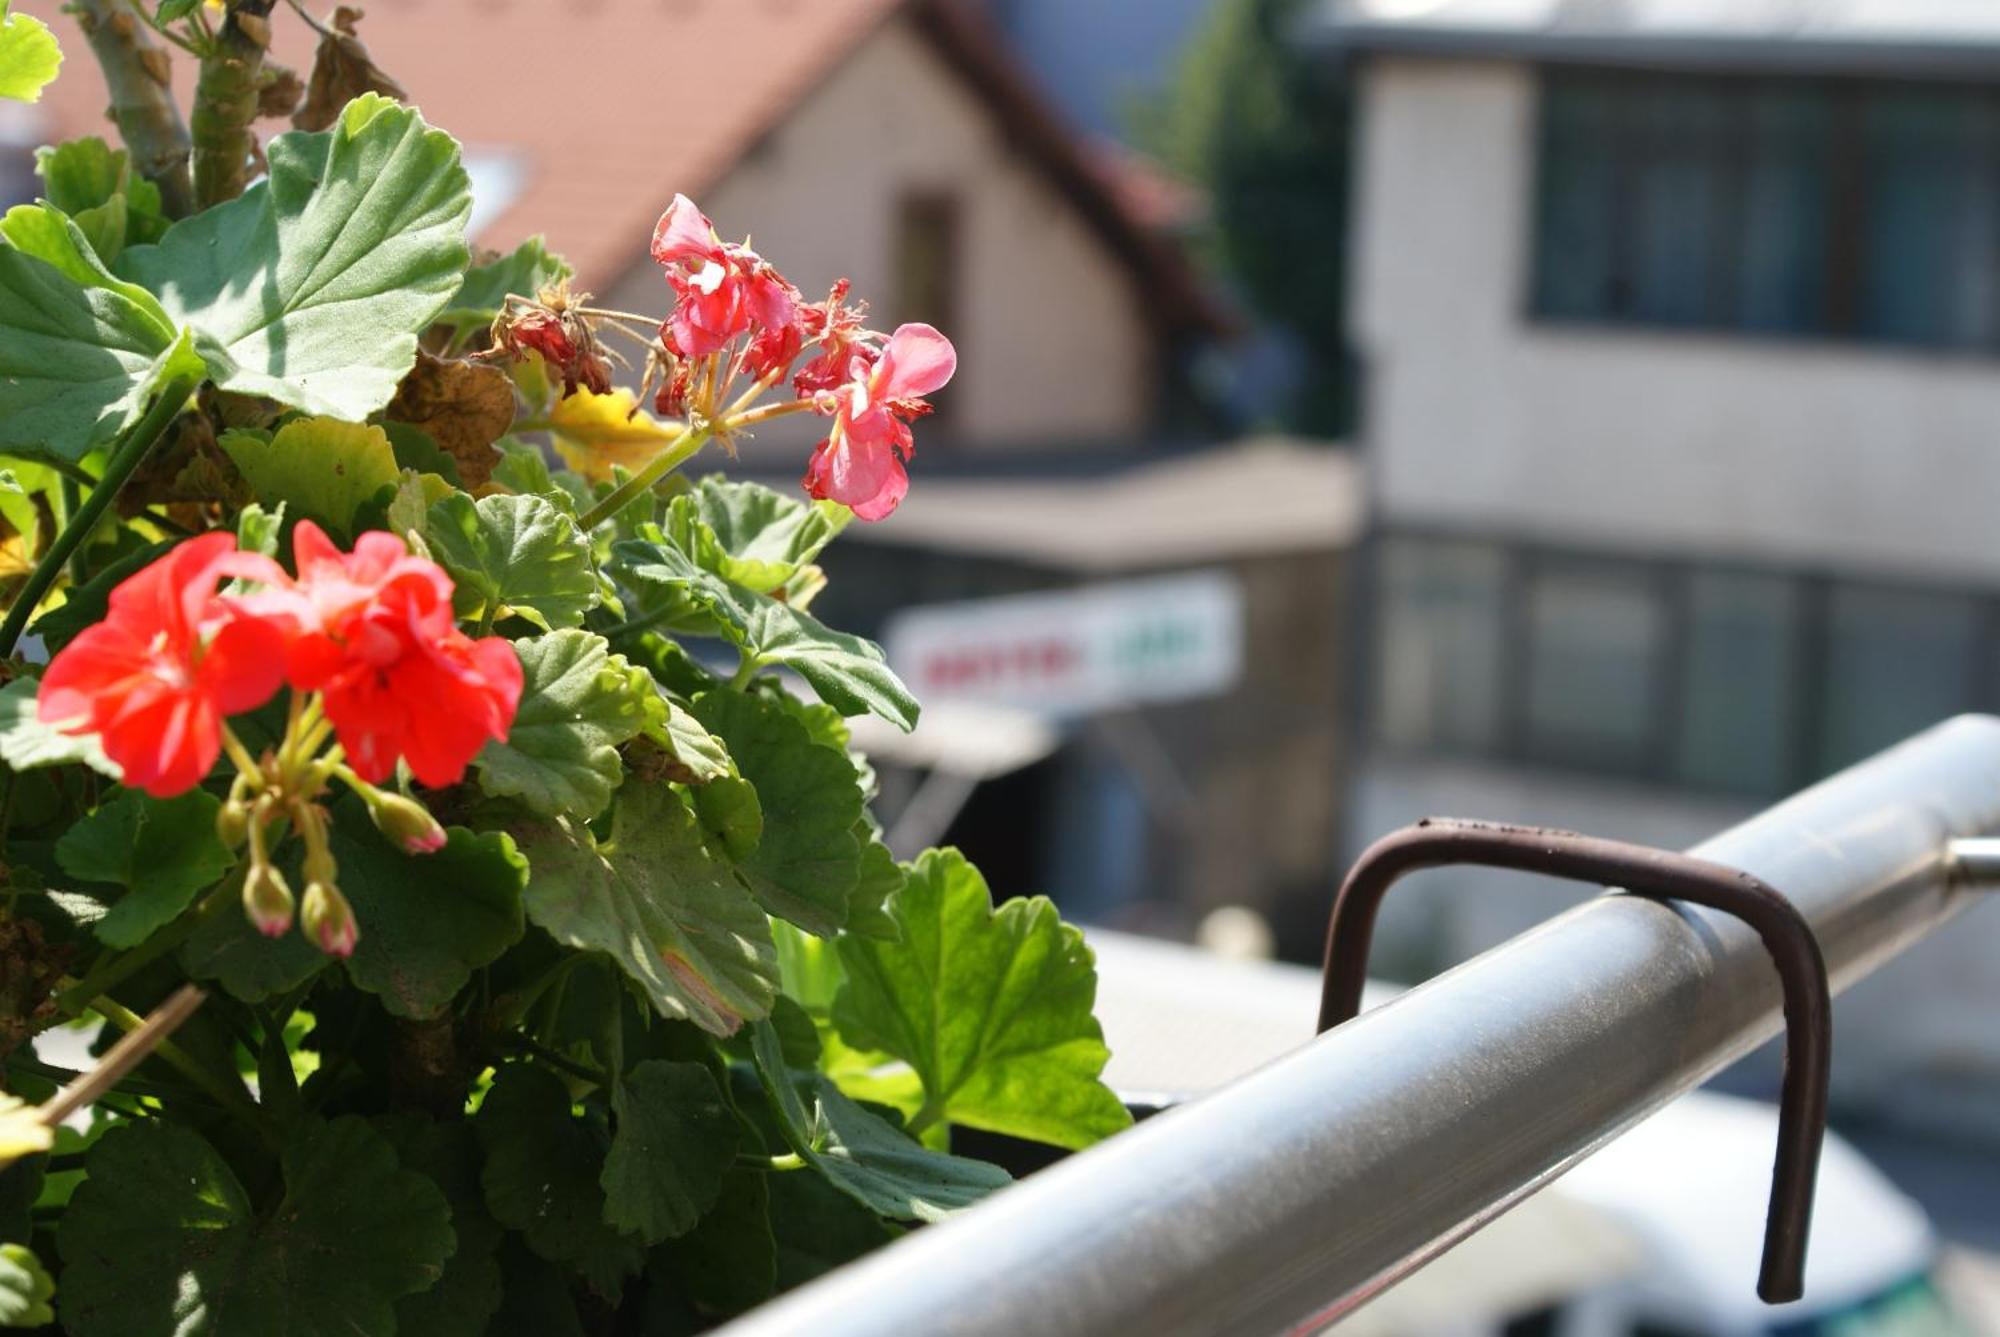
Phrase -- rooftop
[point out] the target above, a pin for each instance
(1890, 38)
(1254, 499)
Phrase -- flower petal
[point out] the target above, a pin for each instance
(917, 361)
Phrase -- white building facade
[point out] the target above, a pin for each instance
(1680, 332)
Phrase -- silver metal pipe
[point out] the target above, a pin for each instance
(1297, 1193)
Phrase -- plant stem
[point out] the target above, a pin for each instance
(657, 468)
(747, 665)
(126, 457)
(124, 1056)
(562, 1063)
(137, 72)
(225, 103)
(231, 1098)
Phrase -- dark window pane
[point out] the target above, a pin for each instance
(1597, 643)
(1683, 251)
(1439, 669)
(1737, 704)
(1896, 662)
(1786, 190)
(1573, 255)
(1932, 221)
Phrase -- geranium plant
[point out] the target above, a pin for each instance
(369, 663)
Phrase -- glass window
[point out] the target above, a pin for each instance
(1932, 226)
(1896, 662)
(1781, 205)
(1597, 644)
(1438, 671)
(1736, 703)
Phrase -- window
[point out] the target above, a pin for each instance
(926, 260)
(1896, 661)
(1439, 673)
(1737, 682)
(1817, 207)
(1597, 640)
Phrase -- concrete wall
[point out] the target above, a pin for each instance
(1859, 458)
(1052, 348)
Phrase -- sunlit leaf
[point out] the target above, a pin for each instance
(595, 433)
(317, 467)
(29, 56)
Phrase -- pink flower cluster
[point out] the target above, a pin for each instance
(871, 386)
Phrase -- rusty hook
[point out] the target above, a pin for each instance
(1643, 871)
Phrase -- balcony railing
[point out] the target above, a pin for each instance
(1293, 1196)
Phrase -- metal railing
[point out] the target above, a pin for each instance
(1296, 1194)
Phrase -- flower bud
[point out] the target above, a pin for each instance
(329, 920)
(318, 864)
(406, 822)
(232, 823)
(267, 900)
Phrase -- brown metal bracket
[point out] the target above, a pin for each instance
(1643, 871)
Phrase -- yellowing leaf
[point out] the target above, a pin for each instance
(318, 467)
(22, 1132)
(29, 56)
(595, 432)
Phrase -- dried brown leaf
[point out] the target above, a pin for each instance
(342, 71)
(463, 406)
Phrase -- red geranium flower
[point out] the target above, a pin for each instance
(169, 661)
(860, 464)
(375, 634)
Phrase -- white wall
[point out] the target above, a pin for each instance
(1859, 458)
(1052, 349)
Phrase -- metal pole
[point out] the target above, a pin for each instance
(1294, 1195)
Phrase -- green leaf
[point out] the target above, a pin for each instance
(729, 1262)
(819, 1228)
(849, 673)
(25, 1289)
(755, 537)
(541, 1177)
(80, 351)
(469, 1292)
(29, 56)
(675, 1140)
(992, 1010)
(417, 449)
(257, 530)
(162, 851)
(731, 821)
(524, 271)
(163, 1239)
(317, 467)
(27, 744)
(513, 554)
(881, 878)
(173, 10)
(578, 702)
(700, 752)
(95, 185)
(249, 966)
(860, 1154)
(807, 864)
(312, 286)
(653, 898)
(427, 920)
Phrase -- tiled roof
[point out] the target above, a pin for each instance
(607, 107)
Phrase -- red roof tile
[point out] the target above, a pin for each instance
(611, 106)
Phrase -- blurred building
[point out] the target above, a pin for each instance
(1679, 323)
(894, 142)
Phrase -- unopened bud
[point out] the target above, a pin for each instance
(267, 900)
(408, 823)
(232, 823)
(318, 865)
(329, 920)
